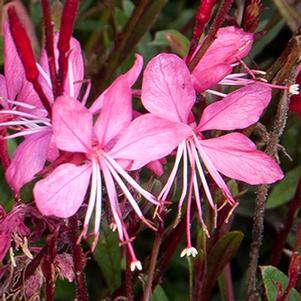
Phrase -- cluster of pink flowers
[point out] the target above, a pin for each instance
(79, 150)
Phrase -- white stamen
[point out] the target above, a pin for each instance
(71, 78)
(202, 177)
(92, 197)
(185, 178)
(87, 92)
(293, 89)
(163, 194)
(189, 251)
(21, 104)
(22, 122)
(44, 75)
(216, 93)
(213, 172)
(98, 201)
(130, 180)
(126, 191)
(26, 132)
(111, 190)
(136, 265)
(23, 114)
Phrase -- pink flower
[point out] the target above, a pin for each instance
(168, 92)
(229, 48)
(26, 113)
(227, 51)
(109, 146)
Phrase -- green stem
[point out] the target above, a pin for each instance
(151, 270)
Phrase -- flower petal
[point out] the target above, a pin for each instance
(28, 159)
(237, 110)
(74, 80)
(130, 76)
(149, 138)
(167, 89)
(116, 112)
(63, 191)
(205, 78)
(72, 125)
(236, 156)
(231, 44)
(13, 67)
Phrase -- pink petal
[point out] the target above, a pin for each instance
(28, 159)
(13, 68)
(5, 240)
(237, 110)
(63, 191)
(149, 138)
(72, 125)
(156, 167)
(116, 113)
(131, 76)
(230, 45)
(204, 79)
(236, 156)
(77, 65)
(28, 95)
(167, 89)
(3, 90)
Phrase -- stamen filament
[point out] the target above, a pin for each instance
(164, 192)
(130, 180)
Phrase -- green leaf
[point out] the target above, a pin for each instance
(174, 39)
(159, 294)
(107, 255)
(219, 256)
(273, 277)
(285, 190)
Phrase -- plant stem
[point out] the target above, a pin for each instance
(128, 277)
(151, 270)
(286, 75)
(49, 38)
(229, 285)
(48, 267)
(78, 260)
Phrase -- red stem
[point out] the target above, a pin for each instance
(78, 260)
(128, 276)
(25, 52)
(67, 24)
(48, 266)
(49, 46)
(202, 17)
(218, 20)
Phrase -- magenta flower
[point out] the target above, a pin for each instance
(26, 113)
(168, 92)
(229, 48)
(227, 51)
(108, 146)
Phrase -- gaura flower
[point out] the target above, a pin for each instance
(25, 112)
(168, 92)
(228, 49)
(108, 147)
(226, 52)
